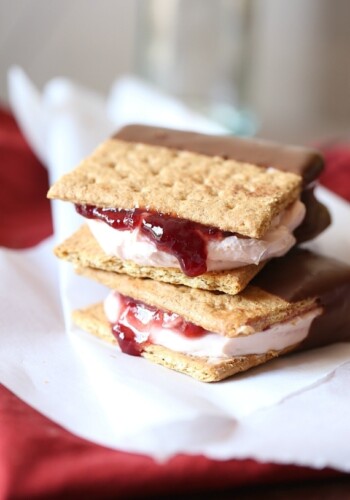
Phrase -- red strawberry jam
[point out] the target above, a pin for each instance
(184, 239)
(137, 320)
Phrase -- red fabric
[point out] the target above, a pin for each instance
(39, 459)
(337, 174)
(25, 211)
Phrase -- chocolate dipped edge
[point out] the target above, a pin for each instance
(303, 274)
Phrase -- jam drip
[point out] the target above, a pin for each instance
(184, 239)
(137, 320)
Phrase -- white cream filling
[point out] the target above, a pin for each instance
(229, 253)
(275, 338)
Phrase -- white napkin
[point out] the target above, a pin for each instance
(125, 402)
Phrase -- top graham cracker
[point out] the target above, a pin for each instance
(233, 196)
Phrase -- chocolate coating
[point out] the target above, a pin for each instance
(301, 275)
(305, 162)
(317, 217)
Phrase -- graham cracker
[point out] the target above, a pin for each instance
(306, 162)
(229, 315)
(82, 250)
(93, 320)
(238, 197)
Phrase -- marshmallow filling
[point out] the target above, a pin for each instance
(136, 325)
(222, 253)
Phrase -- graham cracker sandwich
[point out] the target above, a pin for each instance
(298, 302)
(188, 208)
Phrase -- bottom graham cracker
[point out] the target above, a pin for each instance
(92, 319)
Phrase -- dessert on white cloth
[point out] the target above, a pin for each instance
(257, 416)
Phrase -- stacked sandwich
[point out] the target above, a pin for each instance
(188, 233)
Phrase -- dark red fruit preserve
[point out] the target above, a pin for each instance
(184, 239)
(133, 330)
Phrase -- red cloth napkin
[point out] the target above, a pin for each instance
(39, 459)
(25, 212)
(336, 175)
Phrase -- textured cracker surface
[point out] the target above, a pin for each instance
(93, 320)
(82, 250)
(233, 196)
(214, 311)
